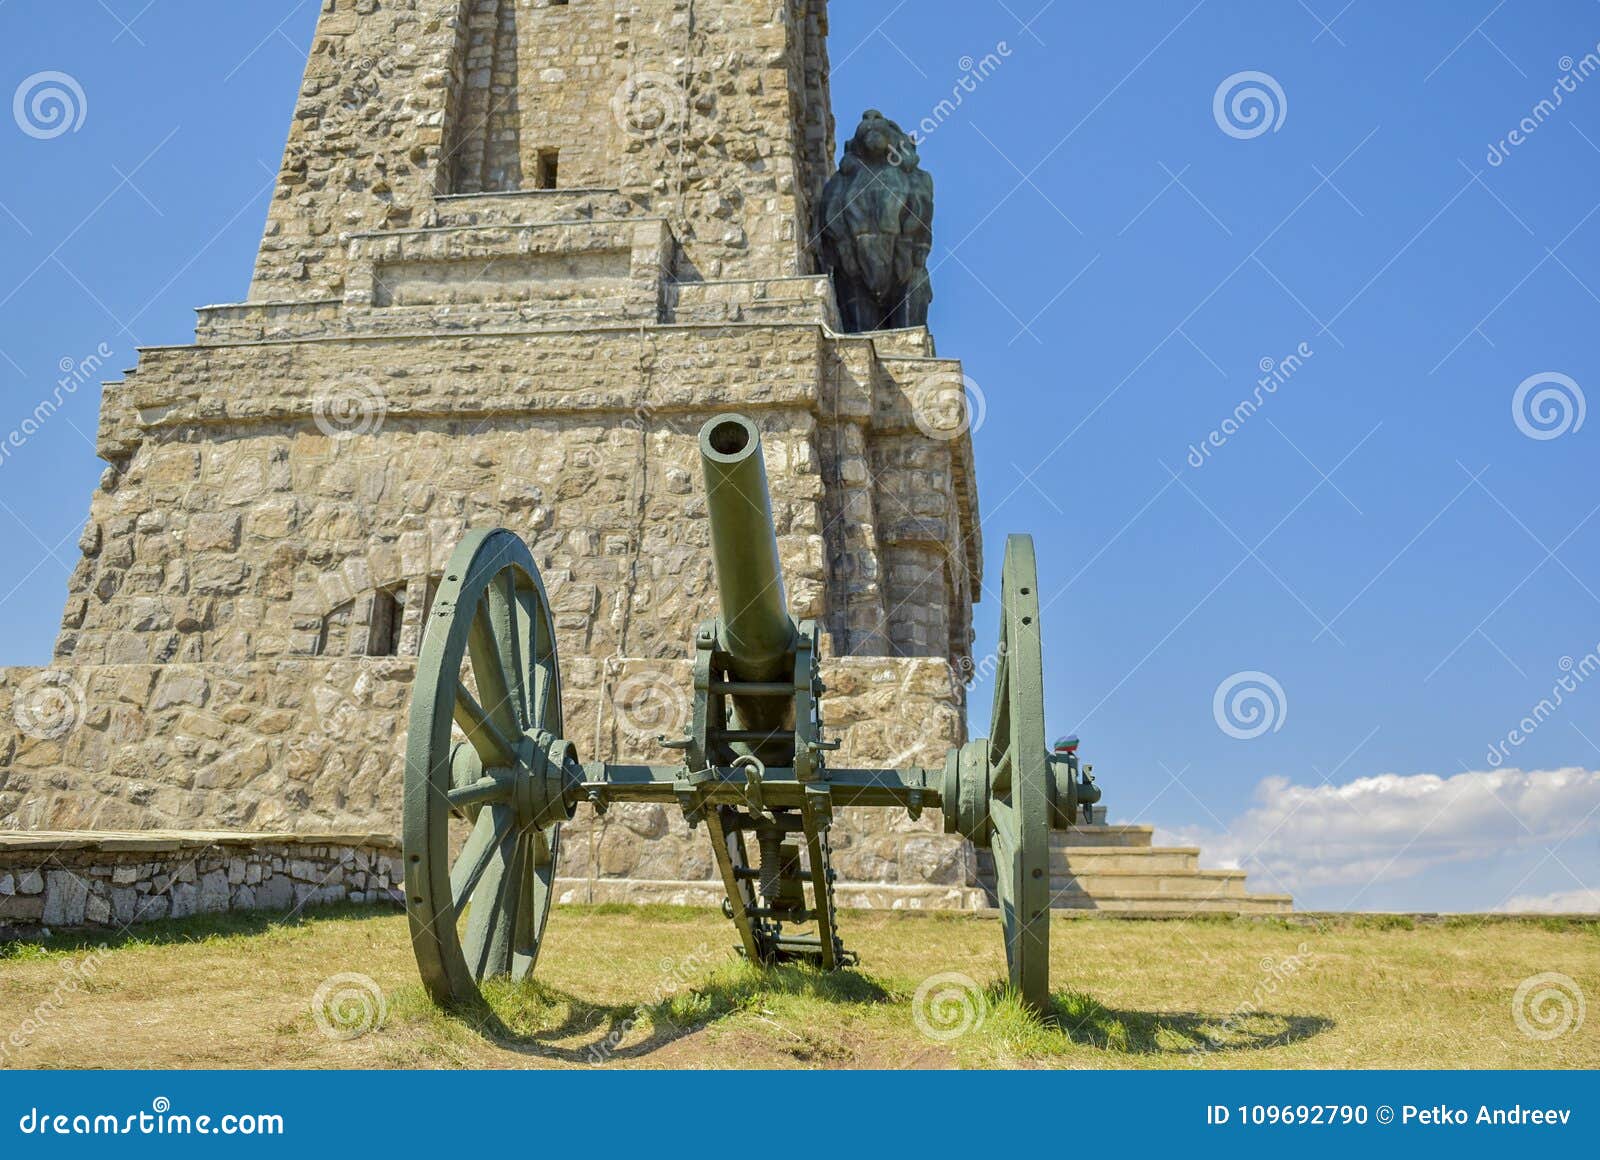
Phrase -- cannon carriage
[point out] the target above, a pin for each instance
(486, 745)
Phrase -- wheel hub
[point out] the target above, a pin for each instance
(541, 788)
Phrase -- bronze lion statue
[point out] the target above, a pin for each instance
(877, 229)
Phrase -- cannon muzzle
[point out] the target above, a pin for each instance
(755, 630)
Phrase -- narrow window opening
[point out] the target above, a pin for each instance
(384, 636)
(548, 168)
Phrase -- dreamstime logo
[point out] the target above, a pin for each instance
(651, 704)
(365, 79)
(1573, 74)
(339, 715)
(1249, 704)
(75, 373)
(383, 66)
(948, 1006)
(348, 1006)
(676, 975)
(1548, 406)
(352, 409)
(76, 976)
(1248, 104)
(968, 671)
(48, 104)
(1275, 373)
(1275, 973)
(1573, 674)
(48, 705)
(1548, 1006)
(948, 407)
(973, 74)
(648, 103)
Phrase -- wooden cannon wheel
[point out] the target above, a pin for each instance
(1020, 779)
(485, 716)
(1002, 793)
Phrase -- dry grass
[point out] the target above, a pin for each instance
(659, 987)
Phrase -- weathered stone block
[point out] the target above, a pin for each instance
(214, 893)
(65, 897)
(212, 532)
(275, 893)
(179, 687)
(21, 908)
(185, 898)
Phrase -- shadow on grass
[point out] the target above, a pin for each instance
(534, 1019)
(1076, 1020)
(196, 929)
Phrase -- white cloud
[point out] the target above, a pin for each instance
(1381, 829)
(1586, 901)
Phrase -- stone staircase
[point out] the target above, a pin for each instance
(1117, 870)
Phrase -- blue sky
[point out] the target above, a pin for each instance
(1115, 263)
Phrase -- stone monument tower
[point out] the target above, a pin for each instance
(519, 251)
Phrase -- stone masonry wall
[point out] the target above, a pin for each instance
(569, 74)
(712, 113)
(235, 526)
(235, 523)
(316, 745)
(63, 881)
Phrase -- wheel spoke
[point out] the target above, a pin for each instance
(1002, 673)
(1001, 711)
(1004, 848)
(494, 683)
(510, 638)
(544, 690)
(527, 613)
(1000, 771)
(492, 827)
(539, 879)
(480, 793)
(494, 747)
(542, 847)
(493, 917)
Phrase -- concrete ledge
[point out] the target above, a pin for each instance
(151, 841)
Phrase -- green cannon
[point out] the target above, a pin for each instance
(755, 633)
(487, 756)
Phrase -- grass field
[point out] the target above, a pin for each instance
(661, 988)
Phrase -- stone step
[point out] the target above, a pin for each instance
(1146, 859)
(1102, 842)
(1100, 860)
(1193, 884)
(1105, 836)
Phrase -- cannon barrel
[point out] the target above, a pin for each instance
(755, 631)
